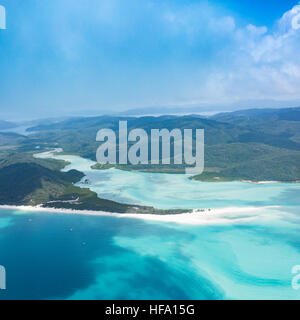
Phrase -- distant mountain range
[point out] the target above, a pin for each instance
(291, 114)
(6, 125)
(165, 111)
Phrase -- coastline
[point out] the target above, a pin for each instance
(268, 182)
(51, 155)
(196, 217)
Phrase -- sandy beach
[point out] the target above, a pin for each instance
(197, 217)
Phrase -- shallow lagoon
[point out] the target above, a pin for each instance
(172, 191)
(51, 255)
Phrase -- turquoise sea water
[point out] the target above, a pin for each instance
(53, 256)
(172, 191)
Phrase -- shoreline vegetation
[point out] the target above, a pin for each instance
(76, 198)
(31, 184)
(41, 186)
(206, 176)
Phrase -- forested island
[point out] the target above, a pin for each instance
(253, 145)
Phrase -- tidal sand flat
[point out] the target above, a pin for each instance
(177, 191)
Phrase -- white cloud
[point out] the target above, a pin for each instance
(291, 19)
(262, 63)
(196, 21)
(249, 62)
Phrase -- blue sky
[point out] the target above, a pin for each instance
(65, 57)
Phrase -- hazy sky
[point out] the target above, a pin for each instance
(60, 57)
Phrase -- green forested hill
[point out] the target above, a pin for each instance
(291, 114)
(283, 123)
(251, 144)
(30, 183)
(257, 144)
(10, 138)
